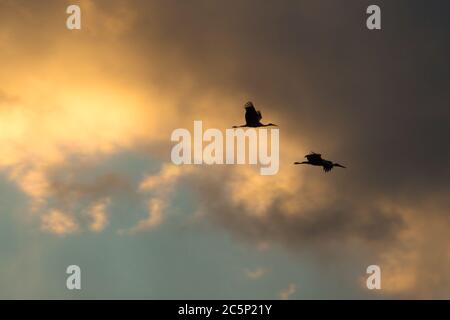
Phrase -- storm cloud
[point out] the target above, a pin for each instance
(377, 101)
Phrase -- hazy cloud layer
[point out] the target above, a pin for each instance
(376, 101)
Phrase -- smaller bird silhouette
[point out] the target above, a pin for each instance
(253, 117)
(315, 159)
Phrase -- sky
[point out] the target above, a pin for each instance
(86, 176)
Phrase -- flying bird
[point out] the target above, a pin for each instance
(315, 159)
(253, 117)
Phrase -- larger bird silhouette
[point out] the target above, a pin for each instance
(253, 117)
(315, 159)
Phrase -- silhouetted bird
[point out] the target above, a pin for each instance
(315, 159)
(253, 117)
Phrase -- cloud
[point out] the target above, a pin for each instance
(289, 211)
(164, 181)
(58, 223)
(98, 215)
(160, 187)
(74, 110)
(346, 97)
(155, 216)
(140, 70)
(256, 273)
(286, 293)
(416, 267)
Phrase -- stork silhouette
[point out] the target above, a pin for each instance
(253, 117)
(315, 159)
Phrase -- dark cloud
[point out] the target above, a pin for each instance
(70, 190)
(377, 101)
(342, 221)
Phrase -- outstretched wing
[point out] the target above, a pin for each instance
(252, 117)
(327, 166)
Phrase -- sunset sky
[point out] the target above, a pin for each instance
(86, 176)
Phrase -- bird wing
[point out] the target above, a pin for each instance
(327, 166)
(314, 157)
(259, 115)
(251, 115)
